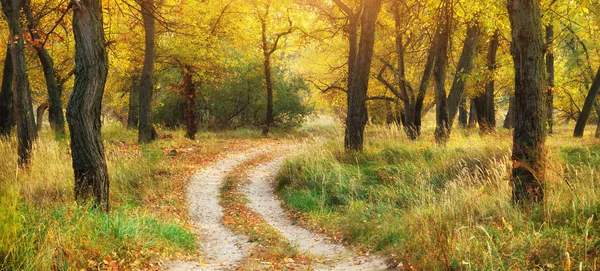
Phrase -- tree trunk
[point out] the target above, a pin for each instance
(6, 96)
(23, 107)
(268, 79)
(587, 106)
(189, 91)
(463, 69)
(40, 115)
(359, 82)
(486, 107)
(146, 131)
(427, 71)
(463, 114)
(472, 115)
(55, 112)
(442, 129)
(134, 103)
(528, 171)
(510, 115)
(85, 104)
(550, 73)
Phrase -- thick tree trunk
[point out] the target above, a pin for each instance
(6, 97)
(528, 171)
(84, 107)
(550, 74)
(356, 118)
(510, 115)
(587, 106)
(463, 69)
(40, 115)
(442, 129)
(23, 107)
(146, 131)
(134, 103)
(189, 90)
(463, 114)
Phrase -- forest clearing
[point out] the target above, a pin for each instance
(190, 135)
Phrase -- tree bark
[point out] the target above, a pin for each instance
(189, 91)
(6, 97)
(463, 114)
(26, 129)
(527, 48)
(427, 71)
(268, 79)
(55, 111)
(442, 129)
(484, 102)
(550, 74)
(134, 103)
(356, 118)
(587, 106)
(40, 115)
(146, 131)
(463, 69)
(84, 107)
(472, 114)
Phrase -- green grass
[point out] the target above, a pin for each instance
(434, 208)
(41, 227)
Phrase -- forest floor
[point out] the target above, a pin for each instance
(247, 201)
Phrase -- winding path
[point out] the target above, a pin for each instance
(225, 250)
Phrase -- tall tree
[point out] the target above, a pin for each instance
(527, 48)
(189, 92)
(268, 50)
(463, 69)
(356, 118)
(146, 131)
(6, 96)
(486, 108)
(550, 74)
(442, 128)
(55, 104)
(590, 99)
(23, 107)
(85, 104)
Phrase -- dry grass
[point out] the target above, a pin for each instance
(434, 208)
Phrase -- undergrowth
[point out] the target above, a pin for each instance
(433, 208)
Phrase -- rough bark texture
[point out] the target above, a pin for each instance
(83, 109)
(442, 128)
(463, 69)
(146, 131)
(55, 110)
(6, 97)
(26, 129)
(189, 91)
(529, 137)
(550, 74)
(427, 71)
(356, 118)
(134, 103)
(40, 115)
(587, 106)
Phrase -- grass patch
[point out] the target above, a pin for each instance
(269, 246)
(435, 208)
